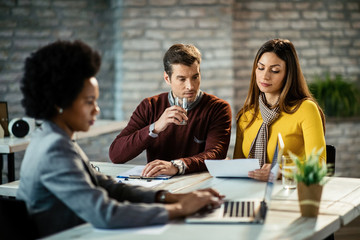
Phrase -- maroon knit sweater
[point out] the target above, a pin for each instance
(206, 135)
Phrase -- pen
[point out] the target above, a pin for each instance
(142, 177)
(146, 178)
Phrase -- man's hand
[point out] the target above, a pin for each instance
(158, 167)
(171, 115)
(261, 174)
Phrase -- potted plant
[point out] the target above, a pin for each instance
(310, 176)
(337, 96)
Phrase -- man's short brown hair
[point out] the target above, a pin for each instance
(185, 54)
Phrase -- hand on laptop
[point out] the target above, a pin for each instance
(261, 174)
(189, 203)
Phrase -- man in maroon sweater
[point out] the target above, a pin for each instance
(155, 126)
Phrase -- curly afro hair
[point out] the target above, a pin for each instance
(54, 75)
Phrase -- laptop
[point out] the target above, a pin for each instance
(244, 211)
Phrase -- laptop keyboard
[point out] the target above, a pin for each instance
(239, 209)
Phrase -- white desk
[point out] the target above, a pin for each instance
(10, 145)
(13, 144)
(279, 225)
(339, 205)
(341, 196)
(9, 189)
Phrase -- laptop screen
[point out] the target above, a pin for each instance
(274, 169)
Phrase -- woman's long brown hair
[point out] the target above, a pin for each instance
(295, 89)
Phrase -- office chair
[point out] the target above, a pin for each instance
(15, 221)
(330, 158)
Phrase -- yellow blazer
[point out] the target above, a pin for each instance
(302, 131)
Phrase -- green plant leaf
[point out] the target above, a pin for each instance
(336, 96)
(310, 170)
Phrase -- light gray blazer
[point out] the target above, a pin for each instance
(62, 190)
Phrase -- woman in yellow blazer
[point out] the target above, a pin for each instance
(278, 101)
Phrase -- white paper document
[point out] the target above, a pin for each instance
(231, 168)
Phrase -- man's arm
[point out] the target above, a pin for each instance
(217, 140)
(136, 137)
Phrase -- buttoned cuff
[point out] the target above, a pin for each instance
(151, 131)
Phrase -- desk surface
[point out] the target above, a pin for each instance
(341, 196)
(339, 205)
(13, 144)
(279, 225)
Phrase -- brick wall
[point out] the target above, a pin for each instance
(344, 135)
(25, 25)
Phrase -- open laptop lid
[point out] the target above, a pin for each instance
(274, 169)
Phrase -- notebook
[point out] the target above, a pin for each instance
(246, 211)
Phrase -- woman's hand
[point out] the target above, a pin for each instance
(261, 174)
(189, 203)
